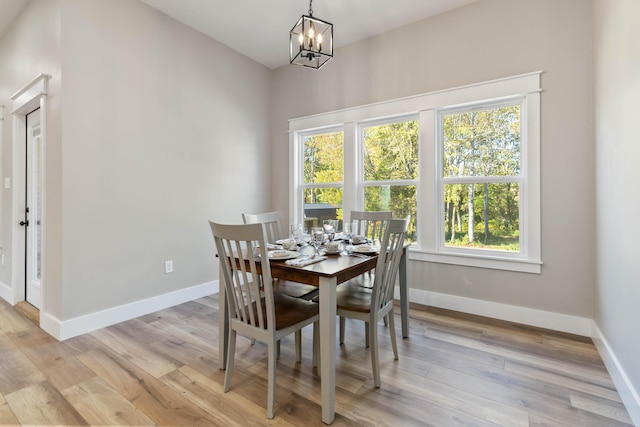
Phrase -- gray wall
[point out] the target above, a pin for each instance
(31, 47)
(162, 129)
(617, 139)
(483, 41)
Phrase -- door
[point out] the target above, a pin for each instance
(33, 211)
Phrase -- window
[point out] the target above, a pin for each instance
(463, 162)
(390, 166)
(323, 174)
(481, 177)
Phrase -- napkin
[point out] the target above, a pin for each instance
(303, 261)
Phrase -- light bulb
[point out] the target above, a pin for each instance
(312, 35)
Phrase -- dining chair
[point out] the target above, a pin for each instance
(271, 220)
(356, 301)
(254, 309)
(370, 223)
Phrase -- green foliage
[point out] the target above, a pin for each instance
(482, 241)
(401, 200)
(323, 156)
(324, 163)
(391, 151)
(482, 143)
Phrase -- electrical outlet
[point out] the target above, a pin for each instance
(168, 266)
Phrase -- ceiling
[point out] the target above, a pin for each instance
(260, 29)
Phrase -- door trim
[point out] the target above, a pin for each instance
(29, 98)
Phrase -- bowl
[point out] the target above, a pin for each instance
(332, 246)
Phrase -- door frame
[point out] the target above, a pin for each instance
(31, 97)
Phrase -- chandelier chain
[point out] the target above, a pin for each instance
(310, 8)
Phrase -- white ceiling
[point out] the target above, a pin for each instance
(260, 29)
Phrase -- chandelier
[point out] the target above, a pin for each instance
(311, 41)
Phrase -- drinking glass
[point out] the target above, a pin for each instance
(296, 232)
(329, 226)
(348, 229)
(317, 238)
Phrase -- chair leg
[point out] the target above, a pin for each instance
(342, 325)
(392, 331)
(386, 320)
(375, 362)
(298, 337)
(271, 380)
(231, 356)
(253, 341)
(366, 334)
(278, 349)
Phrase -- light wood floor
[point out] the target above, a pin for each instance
(162, 369)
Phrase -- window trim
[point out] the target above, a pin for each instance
(520, 179)
(360, 183)
(426, 107)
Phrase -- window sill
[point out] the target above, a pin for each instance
(481, 261)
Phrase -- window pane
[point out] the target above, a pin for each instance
(391, 151)
(482, 215)
(321, 204)
(399, 199)
(482, 142)
(323, 158)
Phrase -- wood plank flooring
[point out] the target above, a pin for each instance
(162, 369)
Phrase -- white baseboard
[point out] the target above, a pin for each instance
(63, 330)
(630, 396)
(6, 293)
(512, 313)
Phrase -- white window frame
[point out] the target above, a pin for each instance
(297, 184)
(442, 180)
(361, 184)
(430, 247)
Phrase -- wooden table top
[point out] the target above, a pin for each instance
(343, 267)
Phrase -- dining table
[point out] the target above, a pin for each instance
(326, 275)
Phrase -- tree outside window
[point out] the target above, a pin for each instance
(391, 170)
(481, 178)
(323, 174)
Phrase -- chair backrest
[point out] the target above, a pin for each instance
(271, 220)
(248, 288)
(370, 224)
(387, 266)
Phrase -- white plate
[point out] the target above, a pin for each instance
(365, 249)
(302, 240)
(329, 251)
(282, 254)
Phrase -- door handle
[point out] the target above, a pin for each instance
(23, 223)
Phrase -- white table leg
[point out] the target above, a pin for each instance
(223, 327)
(404, 295)
(328, 347)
